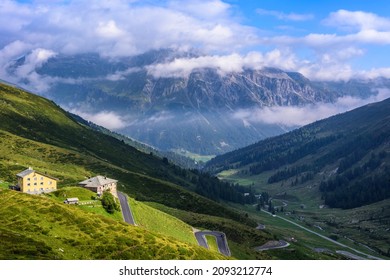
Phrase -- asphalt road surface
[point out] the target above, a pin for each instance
(273, 245)
(223, 247)
(350, 255)
(126, 212)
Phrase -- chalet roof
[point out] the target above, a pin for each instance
(97, 181)
(30, 170)
(25, 173)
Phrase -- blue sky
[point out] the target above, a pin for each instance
(324, 40)
(273, 16)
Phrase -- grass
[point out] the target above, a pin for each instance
(38, 227)
(67, 192)
(158, 221)
(212, 243)
(98, 209)
(194, 156)
(84, 195)
(4, 185)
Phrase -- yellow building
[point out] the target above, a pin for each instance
(34, 182)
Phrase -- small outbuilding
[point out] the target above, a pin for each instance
(71, 200)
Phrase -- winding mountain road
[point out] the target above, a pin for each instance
(126, 211)
(270, 245)
(223, 246)
(323, 236)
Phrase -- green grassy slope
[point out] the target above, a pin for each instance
(35, 227)
(158, 221)
(87, 201)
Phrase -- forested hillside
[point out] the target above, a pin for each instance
(348, 155)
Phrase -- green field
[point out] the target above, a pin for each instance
(197, 157)
(155, 220)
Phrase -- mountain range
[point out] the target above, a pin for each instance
(197, 112)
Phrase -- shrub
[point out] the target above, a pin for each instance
(109, 203)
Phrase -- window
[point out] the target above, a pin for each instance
(41, 178)
(35, 178)
(41, 183)
(28, 184)
(35, 184)
(28, 179)
(50, 182)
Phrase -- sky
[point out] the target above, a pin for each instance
(330, 40)
(324, 40)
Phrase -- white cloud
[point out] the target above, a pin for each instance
(158, 118)
(120, 28)
(109, 30)
(374, 73)
(182, 67)
(27, 71)
(34, 60)
(283, 16)
(202, 9)
(298, 116)
(357, 20)
(121, 75)
(107, 119)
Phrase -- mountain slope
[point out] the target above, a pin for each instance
(312, 172)
(351, 152)
(34, 227)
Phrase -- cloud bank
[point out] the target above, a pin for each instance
(298, 116)
(119, 28)
(107, 119)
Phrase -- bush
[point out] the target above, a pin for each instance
(109, 203)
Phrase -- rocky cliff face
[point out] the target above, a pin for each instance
(207, 90)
